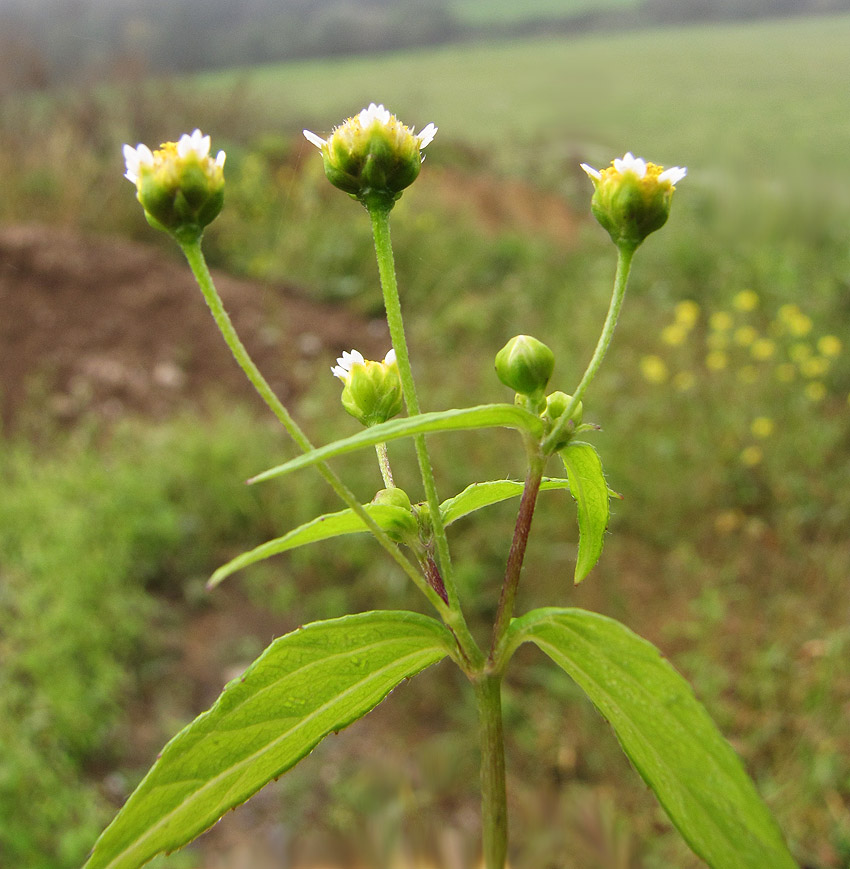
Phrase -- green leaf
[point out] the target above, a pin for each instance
(324, 527)
(480, 495)
(306, 685)
(666, 733)
(588, 487)
(483, 416)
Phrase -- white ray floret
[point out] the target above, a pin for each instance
(134, 159)
(637, 166)
(674, 174)
(374, 114)
(344, 364)
(630, 163)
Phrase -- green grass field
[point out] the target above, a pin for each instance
(759, 101)
(725, 421)
(502, 11)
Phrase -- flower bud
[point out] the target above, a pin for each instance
(393, 497)
(525, 365)
(556, 404)
(372, 391)
(373, 156)
(180, 186)
(403, 526)
(632, 198)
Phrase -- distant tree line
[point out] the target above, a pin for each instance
(45, 41)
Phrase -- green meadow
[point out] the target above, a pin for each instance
(493, 11)
(724, 406)
(732, 101)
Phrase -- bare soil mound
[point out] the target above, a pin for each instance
(93, 324)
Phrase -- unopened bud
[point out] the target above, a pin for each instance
(525, 365)
(403, 526)
(556, 404)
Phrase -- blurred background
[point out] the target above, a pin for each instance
(127, 430)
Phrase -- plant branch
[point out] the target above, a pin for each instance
(197, 263)
(516, 555)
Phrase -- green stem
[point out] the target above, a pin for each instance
(389, 284)
(197, 263)
(621, 279)
(494, 811)
(384, 464)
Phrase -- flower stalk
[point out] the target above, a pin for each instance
(197, 263)
(389, 284)
(384, 465)
(621, 280)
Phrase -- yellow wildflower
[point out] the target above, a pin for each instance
(687, 313)
(791, 319)
(829, 345)
(716, 360)
(721, 321)
(746, 300)
(762, 348)
(751, 456)
(762, 427)
(675, 334)
(745, 335)
(800, 351)
(654, 369)
(814, 366)
(815, 391)
(717, 340)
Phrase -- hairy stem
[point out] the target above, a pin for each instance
(494, 811)
(389, 284)
(384, 463)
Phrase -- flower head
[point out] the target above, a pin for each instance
(372, 391)
(373, 156)
(180, 186)
(632, 198)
